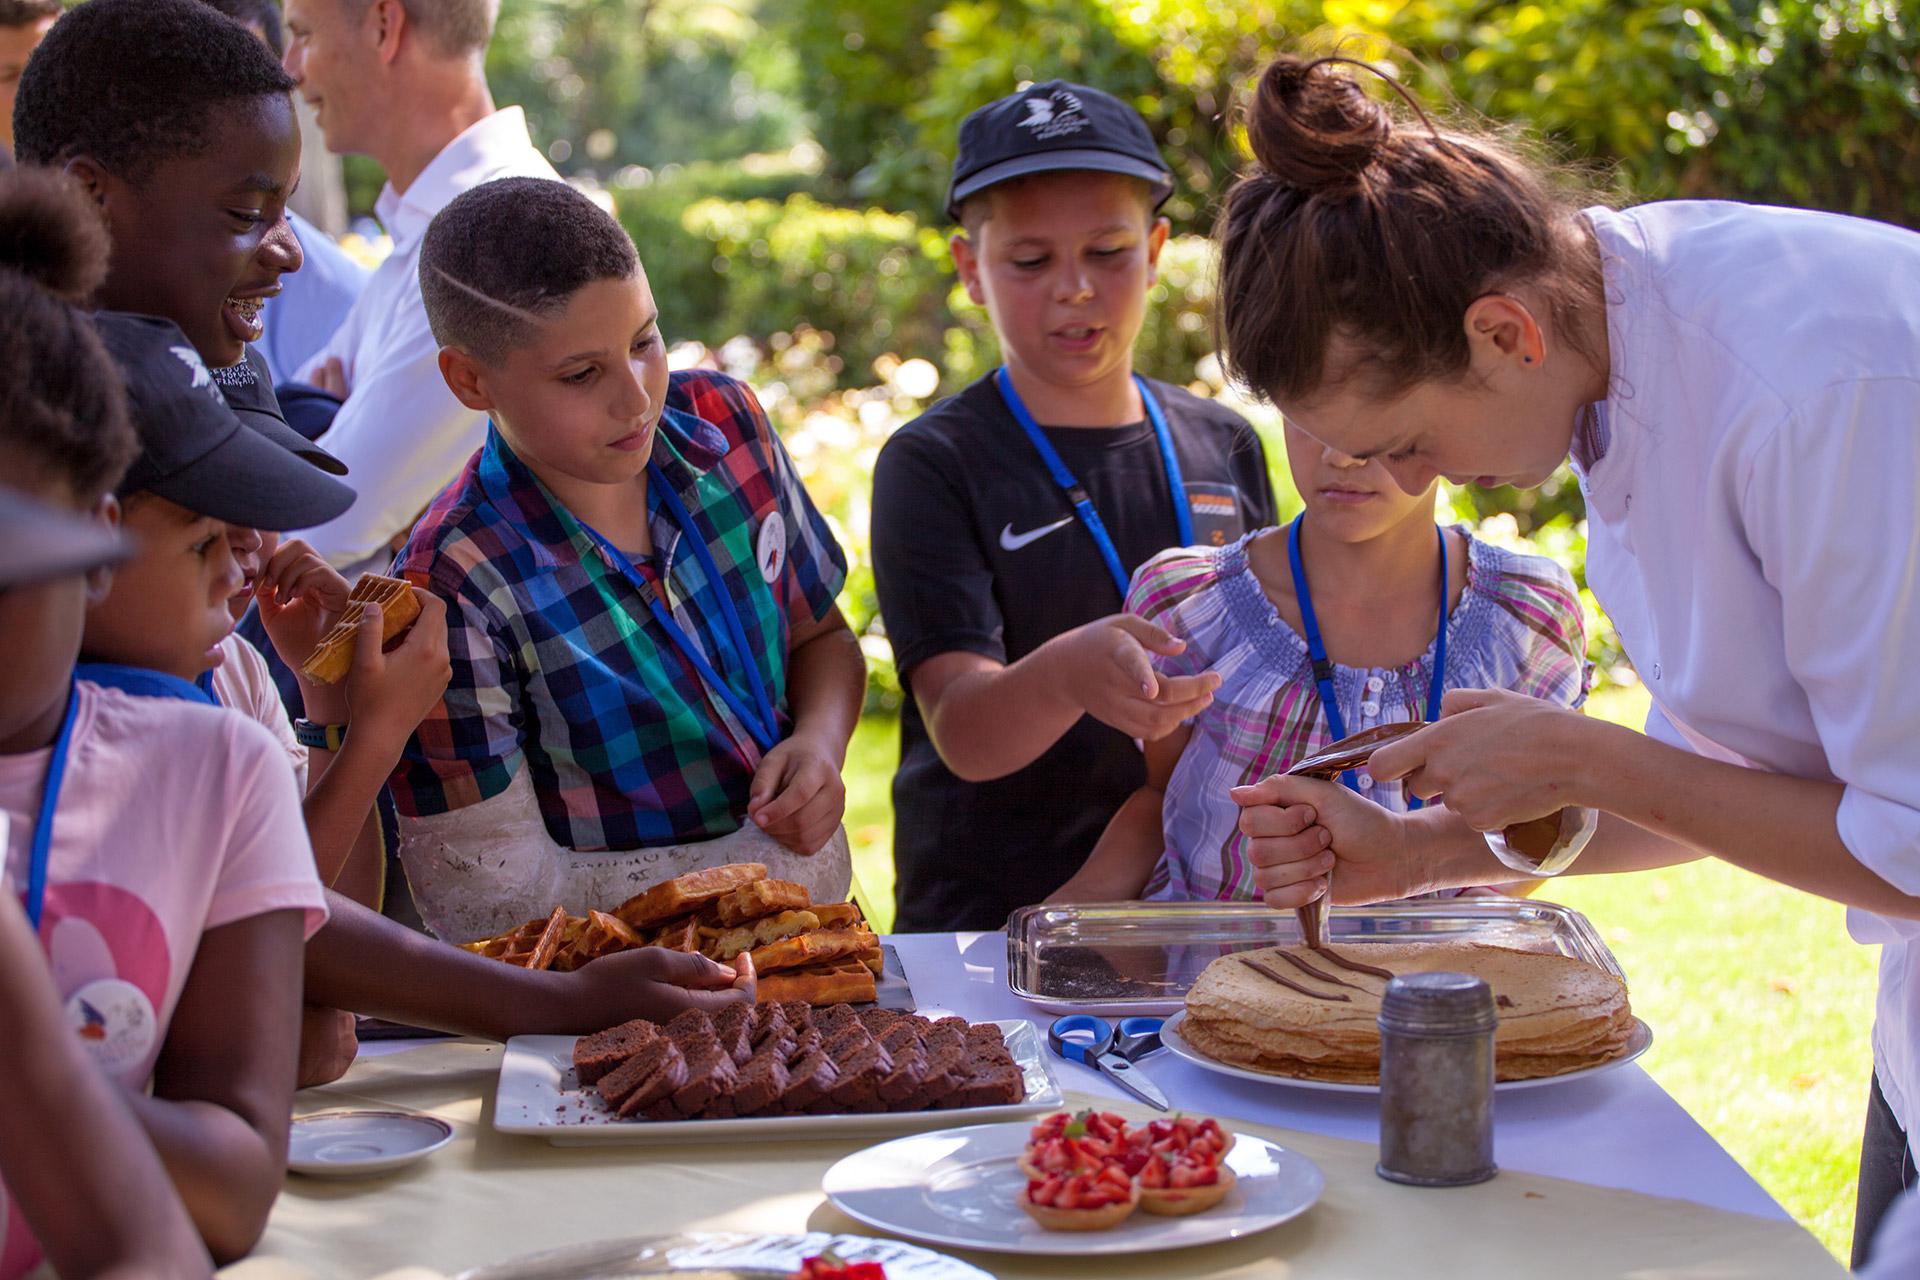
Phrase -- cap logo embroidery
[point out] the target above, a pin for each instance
(197, 371)
(1055, 116)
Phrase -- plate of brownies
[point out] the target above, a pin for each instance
(775, 1070)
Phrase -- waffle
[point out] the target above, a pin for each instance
(532, 945)
(818, 954)
(332, 658)
(835, 982)
(686, 894)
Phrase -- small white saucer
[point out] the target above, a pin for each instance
(356, 1144)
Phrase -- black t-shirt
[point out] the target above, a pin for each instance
(976, 550)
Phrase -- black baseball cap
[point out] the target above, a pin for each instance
(194, 450)
(248, 388)
(38, 542)
(1055, 125)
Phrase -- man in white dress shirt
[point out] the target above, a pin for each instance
(402, 81)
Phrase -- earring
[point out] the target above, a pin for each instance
(1526, 359)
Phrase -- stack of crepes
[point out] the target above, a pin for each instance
(1296, 1012)
(818, 953)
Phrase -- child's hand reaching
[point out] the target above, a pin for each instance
(654, 983)
(1109, 672)
(798, 796)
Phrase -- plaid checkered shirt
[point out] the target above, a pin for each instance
(559, 667)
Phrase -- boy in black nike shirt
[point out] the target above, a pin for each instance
(1008, 518)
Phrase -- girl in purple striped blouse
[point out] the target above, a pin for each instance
(1370, 564)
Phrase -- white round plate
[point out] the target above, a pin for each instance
(960, 1188)
(1639, 1043)
(355, 1144)
(738, 1253)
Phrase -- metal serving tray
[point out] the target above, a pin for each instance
(1141, 957)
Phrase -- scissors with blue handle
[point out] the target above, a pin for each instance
(1097, 1043)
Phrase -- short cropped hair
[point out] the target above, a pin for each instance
(457, 26)
(264, 14)
(133, 83)
(502, 257)
(20, 13)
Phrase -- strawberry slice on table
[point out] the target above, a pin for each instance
(828, 1266)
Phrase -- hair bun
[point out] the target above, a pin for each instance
(1313, 127)
(51, 233)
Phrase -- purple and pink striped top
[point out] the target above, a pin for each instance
(1517, 626)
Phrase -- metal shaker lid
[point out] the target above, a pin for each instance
(1438, 1004)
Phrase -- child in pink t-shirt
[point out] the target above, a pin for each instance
(158, 846)
(73, 1158)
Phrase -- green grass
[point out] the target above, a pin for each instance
(1760, 1003)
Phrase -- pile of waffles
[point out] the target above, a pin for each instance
(818, 954)
(1313, 1014)
(1090, 1171)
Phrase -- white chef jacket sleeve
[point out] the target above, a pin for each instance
(1830, 507)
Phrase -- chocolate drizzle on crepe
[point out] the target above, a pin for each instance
(1268, 972)
(1321, 974)
(1353, 966)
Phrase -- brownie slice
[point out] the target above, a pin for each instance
(835, 1017)
(808, 1080)
(955, 1023)
(946, 1052)
(991, 1086)
(877, 1019)
(798, 1013)
(618, 1084)
(806, 1042)
(909, 1069)
(710, 1073)
(861, 1071)
(762, 1082)
(769, 1023)
(733, 1027)
(842, 1041)
(689, 1024)
(903, 1034)
(598, 1054)
(669, 1072)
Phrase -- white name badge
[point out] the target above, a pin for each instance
(770, 549)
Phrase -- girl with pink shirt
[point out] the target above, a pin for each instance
(158, 846)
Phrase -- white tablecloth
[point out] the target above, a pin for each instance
(1619, 1129)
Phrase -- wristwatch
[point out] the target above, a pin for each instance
(320, 737)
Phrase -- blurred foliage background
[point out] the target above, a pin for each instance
(782, 165)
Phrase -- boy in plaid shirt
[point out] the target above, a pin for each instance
(649, 670)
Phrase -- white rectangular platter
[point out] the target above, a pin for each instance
(540, 1097)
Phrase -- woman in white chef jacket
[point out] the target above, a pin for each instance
(1739, 388)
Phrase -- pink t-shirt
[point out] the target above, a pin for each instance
(243, 682)
(173, 819)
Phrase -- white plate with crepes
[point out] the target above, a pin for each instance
(1639, 1043)
(540, 1097)
(960, 1188)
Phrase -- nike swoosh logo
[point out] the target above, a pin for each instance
(1011, 541)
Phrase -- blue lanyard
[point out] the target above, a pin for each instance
(759, 719)
(1323, 669)
(1082, 504)
(146, 683)
(42, 846)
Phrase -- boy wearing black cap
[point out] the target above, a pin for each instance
(195, 496)
(1008, 518)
